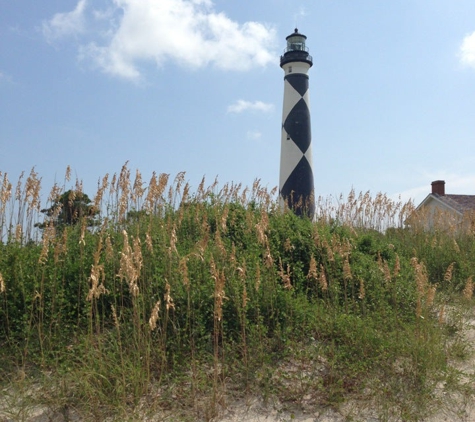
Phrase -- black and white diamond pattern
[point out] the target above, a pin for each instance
(296, 174)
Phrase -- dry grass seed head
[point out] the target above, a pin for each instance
(130, 264)
(152, 322)
(18, 189)
(49, 234)
(329, 250)
(232, 257)
(184, 272)
(268, 260)
(167, 297)
(424, 290)
(397, 267)
(109, 249)
(219, 242)
(61, 246)
(316, 238)
(285, 275)
(288, 245)
(83, 231)
(18, 233)
(430, 295)
(100, 191)
(312, 270)
(114, 316)
(261, 236)
(97, 275)
(173, 240)
(203, 242)
(78, 186)
(323, 279)
(347, 269)
(258, 278)
(469, 288)
(219, 294)
(361, 293)
(224, 219)
(2, 284)
(386, 272)
(148, 240)
(123, 187)
(113, 185)
(421, 275)
(67, 176)
(442, 315)
(456, 246)
(32, 191)
(137, 189)
(242, 272)
(449, 272)
(5, 191)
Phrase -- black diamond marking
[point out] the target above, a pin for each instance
(297, 125)
(298, 189)
(299, 82)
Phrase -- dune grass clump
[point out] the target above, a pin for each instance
(179, 300)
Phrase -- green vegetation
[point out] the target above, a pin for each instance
(179, 301)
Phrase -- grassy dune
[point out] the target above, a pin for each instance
(160, 298)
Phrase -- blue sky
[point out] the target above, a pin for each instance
(195, 86)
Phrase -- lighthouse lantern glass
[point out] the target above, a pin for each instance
(296, 42)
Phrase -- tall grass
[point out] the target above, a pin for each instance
(185, 298)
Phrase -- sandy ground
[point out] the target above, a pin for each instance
(253, 410)
(457, 409)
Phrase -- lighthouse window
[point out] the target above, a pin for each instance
(290, 69)
(296, 43)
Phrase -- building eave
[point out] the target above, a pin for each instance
(436, 198)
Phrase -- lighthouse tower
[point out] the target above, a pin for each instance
(296, 187)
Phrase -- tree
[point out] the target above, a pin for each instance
(69, 209)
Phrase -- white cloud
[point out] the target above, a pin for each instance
(467, 50)
(190, 33)
(300, 13)
(242, 105)
(65, 24)
(253, 135)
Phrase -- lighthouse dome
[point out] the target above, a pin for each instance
(296, 50)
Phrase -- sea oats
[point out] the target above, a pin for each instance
(285, 276)
(130, 264)
(257, 283)
(361, 292)
(312, 270)
(167, 297)
(323, 279)
(347, 269)
(219, 295)
(449, 272)
(397, 267)
(469, 288)
(152, 322)
(2, 284)
(184, 272)
(67, 176)
(97, 276)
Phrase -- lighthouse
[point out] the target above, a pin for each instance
(296, 188)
